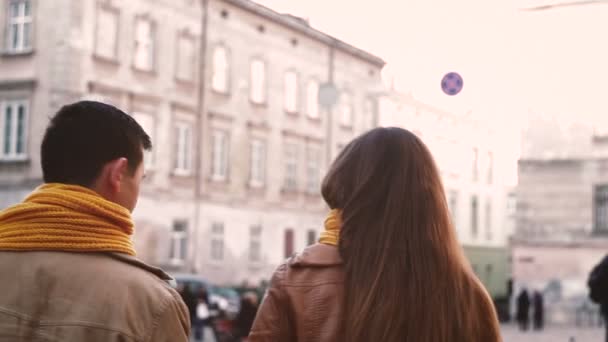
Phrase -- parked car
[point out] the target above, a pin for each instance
(226, 300)
(233, 299)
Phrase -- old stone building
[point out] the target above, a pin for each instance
(240, 139)
(561, 217)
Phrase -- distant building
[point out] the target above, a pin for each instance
(471, 163)
(240, 140)
(562, 222)
(546, 137)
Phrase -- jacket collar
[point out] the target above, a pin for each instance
(318, 255)
(138, 263)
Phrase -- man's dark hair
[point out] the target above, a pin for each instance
(82, 137)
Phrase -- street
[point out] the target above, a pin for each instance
(553, 334)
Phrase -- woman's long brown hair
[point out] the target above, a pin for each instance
(406, 278)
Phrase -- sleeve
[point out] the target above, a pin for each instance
(272, 322)
(173, 325)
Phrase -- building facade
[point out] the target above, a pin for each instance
(562, 226)
(562, 212)
(240, 139)
(469, 158)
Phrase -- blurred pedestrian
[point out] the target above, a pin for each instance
(206, 314)
(598, 289)
(246, 316)
(190, 300)
(388, 266)
(203, 315)
(539, 310)
(67, 248)
(523, 310)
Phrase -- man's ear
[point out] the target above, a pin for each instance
(117, 169)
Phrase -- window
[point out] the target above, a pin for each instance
(257, 86)
(601, 209)
(312, 99)
(220, 71)
(474, 216)
(255, 243)
(475, 164)
(311, 237)
(511, 204)
(346, 112)
(14, 125)
(488, 219)
(146, 121)
(219, 166)
(289, 243)
(453, 158)
(186, 58)
(312, 169)
(291, 92)
(258, 163)
(217, 241)
(291, 167)
(143, 58)
(183, 154)
(19, 33)
(106, 33)
(368, 113)
(453, 205)
(179, 242)
(490, 174)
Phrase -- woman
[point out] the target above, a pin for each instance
(523, 310)
(388, 266)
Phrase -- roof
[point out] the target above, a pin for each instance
(300, 25)
(408, 99)
(589, 241)
(553, 160)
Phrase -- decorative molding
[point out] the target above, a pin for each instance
(220, 116)
(263, 125)
(182, 107)
(24, 84)
(17, 54)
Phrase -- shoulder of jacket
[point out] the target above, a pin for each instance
(153, 282)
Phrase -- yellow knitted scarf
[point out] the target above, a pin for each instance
(333, 223)
(66, 218)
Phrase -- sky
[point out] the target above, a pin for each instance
(514, 62)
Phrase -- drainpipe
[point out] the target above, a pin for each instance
(330, 81)
(199, 131)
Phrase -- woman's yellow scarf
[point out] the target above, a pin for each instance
(333, 223)
(66, 218)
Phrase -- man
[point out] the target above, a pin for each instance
(523, 310)
(67, 263)
(598, 289)
(538, 303)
